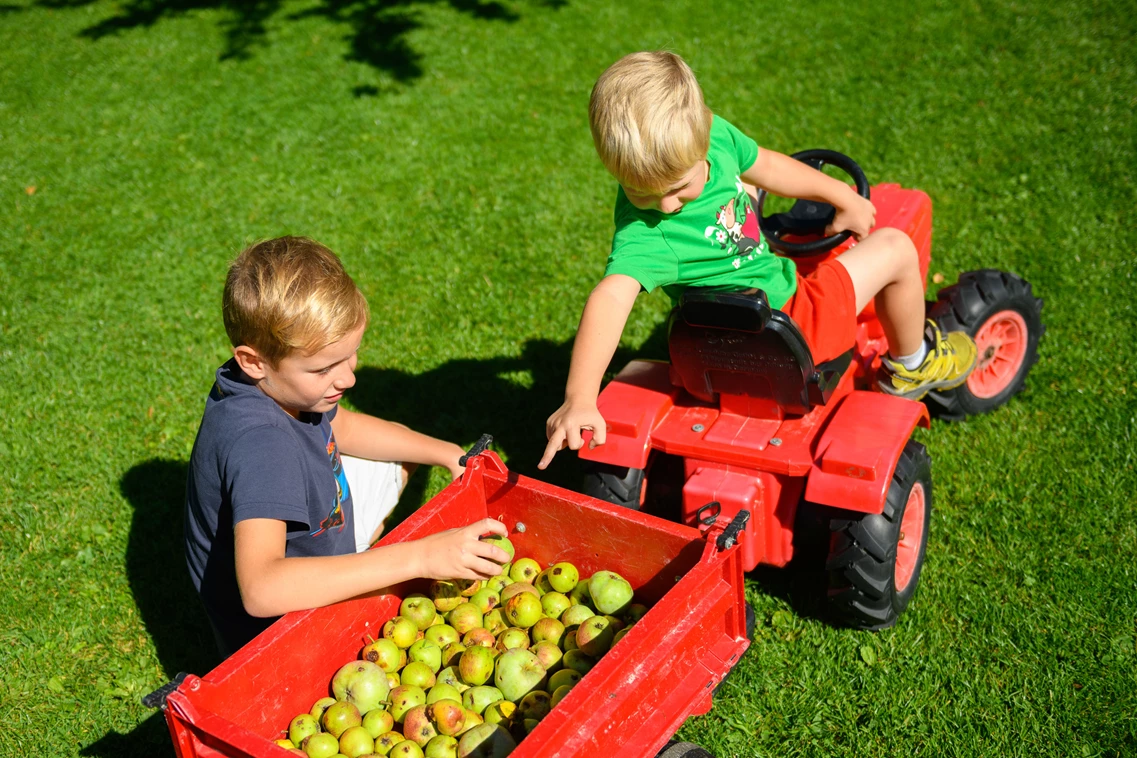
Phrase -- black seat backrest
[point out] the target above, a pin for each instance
(729, 341)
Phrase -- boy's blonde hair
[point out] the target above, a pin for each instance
(648, 119)
(287, 295)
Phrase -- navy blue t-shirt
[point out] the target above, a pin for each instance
(253, 460)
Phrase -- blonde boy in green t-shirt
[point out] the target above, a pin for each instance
(683, 218)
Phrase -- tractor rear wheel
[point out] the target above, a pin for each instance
(615, 484)
(875, 559)
(1003, 316)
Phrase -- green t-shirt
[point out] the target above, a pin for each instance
(712, 240)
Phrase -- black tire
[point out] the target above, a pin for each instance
(614, 484)
(863, 549)
(969, 305)
(675, 749)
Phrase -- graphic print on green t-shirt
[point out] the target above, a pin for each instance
(736, 227)
(713, 240)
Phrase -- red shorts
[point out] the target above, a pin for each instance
(825, 309)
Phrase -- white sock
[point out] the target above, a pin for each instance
(913, 361)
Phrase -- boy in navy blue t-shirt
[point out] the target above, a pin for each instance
(286, 490)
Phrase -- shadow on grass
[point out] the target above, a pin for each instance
(509, 398)
(165, 597)
(801, 584)
(156, 568)
(150, 739)
(377, 37)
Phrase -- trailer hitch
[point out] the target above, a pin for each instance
(730, 535)
(157, 698)
(479, 447)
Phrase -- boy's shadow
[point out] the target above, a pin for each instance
(165, 597)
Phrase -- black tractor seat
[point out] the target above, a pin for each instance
(729, 341)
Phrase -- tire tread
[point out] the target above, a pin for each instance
(964, 306)
(861, 592)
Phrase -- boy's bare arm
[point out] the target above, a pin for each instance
(272, 584)
(599, 332)
(782, 175)
(365, 436)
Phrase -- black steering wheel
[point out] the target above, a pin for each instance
(807, 216)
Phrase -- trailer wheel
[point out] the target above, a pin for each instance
(875, 559)
(1003, 316)
(676, 749)
(615, 484)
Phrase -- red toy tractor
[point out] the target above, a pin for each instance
(742, 418)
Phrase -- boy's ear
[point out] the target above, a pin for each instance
(251, 362)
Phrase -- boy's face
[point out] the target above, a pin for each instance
(686, 189)
(312, 383)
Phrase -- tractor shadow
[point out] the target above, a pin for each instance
(378, 30)
(801, 584)
(509, 398)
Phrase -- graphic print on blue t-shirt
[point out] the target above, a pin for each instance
(736, 227)
(335, 517)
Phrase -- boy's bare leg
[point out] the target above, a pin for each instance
(406, 469)
(884, 267)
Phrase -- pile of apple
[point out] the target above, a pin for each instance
(472, 669)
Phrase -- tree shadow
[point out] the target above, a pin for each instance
(377, 37)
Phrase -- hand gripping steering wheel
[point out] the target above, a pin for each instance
(808, 217)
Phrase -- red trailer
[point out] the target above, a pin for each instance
(665, 669)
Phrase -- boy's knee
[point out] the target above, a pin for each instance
(897, 246)
(895, 240)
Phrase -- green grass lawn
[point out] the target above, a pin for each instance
(442, 149)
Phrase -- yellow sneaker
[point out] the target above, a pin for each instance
(948, 363)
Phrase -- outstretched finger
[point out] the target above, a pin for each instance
(556, 442)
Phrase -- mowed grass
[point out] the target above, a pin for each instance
(442, 149)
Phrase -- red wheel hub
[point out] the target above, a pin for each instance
(1002, 343)
(911, 535)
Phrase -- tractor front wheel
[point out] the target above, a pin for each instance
(875, 559)
(1003, 316)
(625, 487)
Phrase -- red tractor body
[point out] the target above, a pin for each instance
(746, 452)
